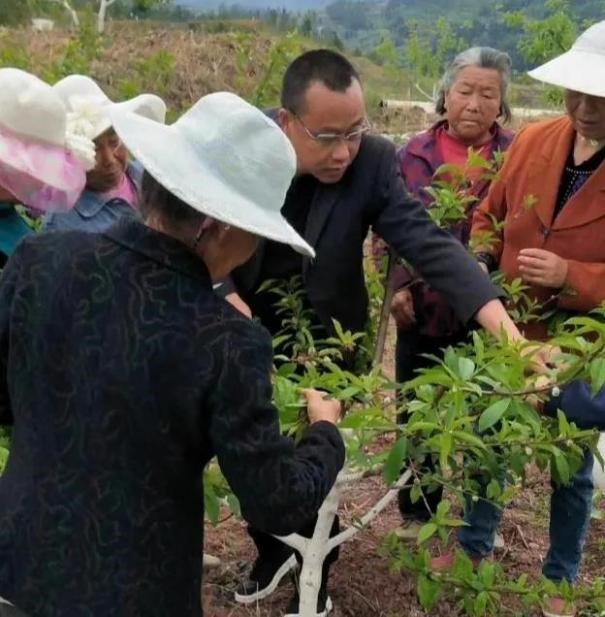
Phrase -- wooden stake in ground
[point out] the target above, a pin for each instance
(385, 312)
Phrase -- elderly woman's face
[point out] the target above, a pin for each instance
(112, 158)
(587, 114)
(473, 103)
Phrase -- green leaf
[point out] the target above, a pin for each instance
(234, 504)
(394, 462)
(443, 507)
(470, 439)
(349, 392)
(597, 374)
(466, 368)
(480, 606)
(562, 467)
(493, 490)
(564, 427)
(211, 503)
(493, 414)
(426, 532)
(428, 592)
(447, 444)
(479, 346)
(487, 573)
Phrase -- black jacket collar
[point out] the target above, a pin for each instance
(159, 247)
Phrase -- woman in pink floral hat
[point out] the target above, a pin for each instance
(42, 166)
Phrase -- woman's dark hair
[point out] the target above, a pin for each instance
(320, 65)
(158, 200)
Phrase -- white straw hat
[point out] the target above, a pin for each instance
(88, 106)
(582, 68)
(41, 163)
(224, 158)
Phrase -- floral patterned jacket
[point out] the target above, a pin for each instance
(123, 374)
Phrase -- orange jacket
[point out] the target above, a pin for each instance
(524, 196)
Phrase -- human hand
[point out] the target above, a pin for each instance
(536, 388)
(540, 267)
(402, 309)
(320, 408)
(483, 266)
(544, 357)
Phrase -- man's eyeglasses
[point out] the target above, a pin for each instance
(332, 139)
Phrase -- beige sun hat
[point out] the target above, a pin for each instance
(89, 107)
(582, 68)
(223, 157)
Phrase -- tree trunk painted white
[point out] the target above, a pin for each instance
(74, 16)
(103, 6)
(314, 550)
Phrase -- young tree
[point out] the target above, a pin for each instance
(546, 38)
(137, 5)
(71, 12)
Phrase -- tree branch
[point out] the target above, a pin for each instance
(371, 514)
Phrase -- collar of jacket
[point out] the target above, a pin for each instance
(424, 145)
(549, 145)
(161, 248)
(90, 202)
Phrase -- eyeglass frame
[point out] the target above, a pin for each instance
(329, 140)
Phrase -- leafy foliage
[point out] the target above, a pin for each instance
(4, 446)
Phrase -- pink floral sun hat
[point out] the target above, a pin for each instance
(41, 163)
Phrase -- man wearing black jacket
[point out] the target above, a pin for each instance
(347, 182)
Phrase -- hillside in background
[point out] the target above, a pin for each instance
(363, 25)
(290, 5)
(179, 62)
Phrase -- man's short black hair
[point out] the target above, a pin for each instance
(325, 66)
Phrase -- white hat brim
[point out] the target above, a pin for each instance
(170, 158)
(577, 70)
(146, 105)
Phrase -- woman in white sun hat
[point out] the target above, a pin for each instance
(550, 197)
(113, 186)
(41, 164)
(148, 374)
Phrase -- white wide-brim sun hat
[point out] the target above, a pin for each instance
(89, 108)
(224, 158)
(41, 162)
(582, 68)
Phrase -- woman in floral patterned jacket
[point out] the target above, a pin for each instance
(123, 374)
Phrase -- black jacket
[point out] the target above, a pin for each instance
(123, 375)
(372, 194)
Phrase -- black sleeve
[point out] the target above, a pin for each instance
(7, 291)
(403, 222)
(280, 486)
